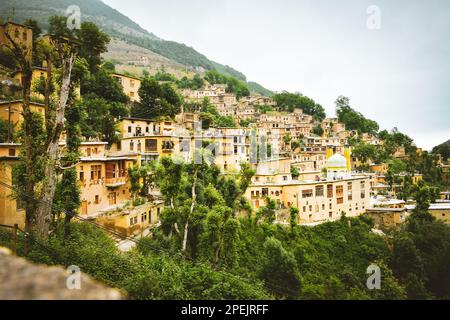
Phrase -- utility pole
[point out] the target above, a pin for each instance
(9, 122)
(14, 239)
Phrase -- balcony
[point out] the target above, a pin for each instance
(115, 182)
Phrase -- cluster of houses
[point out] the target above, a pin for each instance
(318, 176)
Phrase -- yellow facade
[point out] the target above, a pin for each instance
(387, 217)
(103, 178)
(130, 85)
(316, 200)
(40, 74)
(132, 221)
(11, 211)
(20, 34)
(441, 212)
(12, 111)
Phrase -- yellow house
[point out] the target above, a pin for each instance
(130, 221)
(387, 217)
(441, 211)
(11, 111)
(11, 210)
(39, 74)
(149, 139)
(103, 177)
(129, 84)
(22, 35)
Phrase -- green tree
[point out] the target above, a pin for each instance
(279, 269)
(94, 42)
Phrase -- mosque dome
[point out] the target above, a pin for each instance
(337, 161)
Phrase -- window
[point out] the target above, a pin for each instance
(97, 199)
(96, 172)
(363, 189)
(339, 191)
(330, 191)
(12, 152)
(139, 146)
(319, 191)
(307, 193)
(129, 129)
(131, 145)
(151, 145)
(349, 191)
(168, 145)
(20, 205)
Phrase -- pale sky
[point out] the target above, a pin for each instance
(398, 75)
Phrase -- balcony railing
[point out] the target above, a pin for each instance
(115, 182)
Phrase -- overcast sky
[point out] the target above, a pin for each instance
(398, 75)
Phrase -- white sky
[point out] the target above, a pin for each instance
(398, 75)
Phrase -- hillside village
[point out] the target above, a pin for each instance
(316, 173)
(138, 155)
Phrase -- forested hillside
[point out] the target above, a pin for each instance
(117, 26)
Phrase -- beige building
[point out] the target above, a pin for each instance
(387, 217)
(317, 198)
(129, 220)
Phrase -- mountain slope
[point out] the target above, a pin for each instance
(117, 26)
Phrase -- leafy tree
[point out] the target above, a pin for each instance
(293, 217)
(94, 42)
(287, 101)
(156, 100)
(6, 129)
(103, 85)
(443, 149)
(99, 117)
(268, 211)
(352, 119)
(364, 152)
(318, 130)
(279, 269)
